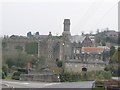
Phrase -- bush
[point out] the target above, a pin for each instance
(3, 75)
(16, 75)
(85, 76)
(59, 63)
(65, 76)
(114, 69)
(5, 69)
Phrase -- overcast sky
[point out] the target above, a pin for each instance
(20, 17)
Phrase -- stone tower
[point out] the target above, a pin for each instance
(66, 33)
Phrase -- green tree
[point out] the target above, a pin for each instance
(19, 59)
(10, 62)
(112, 51)
(5, 69)
(113, 68)
(116, 56)
(59, 63)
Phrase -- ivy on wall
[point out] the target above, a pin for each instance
(31, 48)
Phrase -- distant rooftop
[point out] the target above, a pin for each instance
(85, 62)
(92, 49)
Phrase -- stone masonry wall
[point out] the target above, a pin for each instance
(40, 77)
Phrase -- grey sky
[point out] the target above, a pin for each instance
(21, 17)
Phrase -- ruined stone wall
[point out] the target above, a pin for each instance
(40, 77)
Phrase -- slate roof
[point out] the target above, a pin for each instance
(77, 38)
(85, 62)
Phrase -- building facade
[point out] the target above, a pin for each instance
(54, 48)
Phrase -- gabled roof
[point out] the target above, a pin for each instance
(77, 38)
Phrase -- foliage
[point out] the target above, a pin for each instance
(4, 44)
(59, 63)
(19, 59)
(116, 56)
(83, 76)
(114, 69)
(14, 68)
(0, 73)
(20, 48)
(65, 76)
(42, 60)
(31, 48)
(99, 88)
(56, 70)
(10, 62)
(109, 84)
(102, 37)
(5, 69)
(17, 74)
(112, 51)
(59, 37)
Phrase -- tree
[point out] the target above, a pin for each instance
(19, 59)
(10, 62)
(112, 51)
(116, 56)
(5, 69)
(59, 63)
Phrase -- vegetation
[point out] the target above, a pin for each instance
(19, 59)
(31, 48)
(101, 37)
(5, 70)
(17, 74)
(112, 51)
(59, 63)
(83, 76)
(4, 44)
(19, 48)
(116, 56)
(57, 70)
(114, 69)
(109, 84)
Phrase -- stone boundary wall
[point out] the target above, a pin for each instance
(40, 77)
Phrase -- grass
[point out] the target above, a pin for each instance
(99, 88)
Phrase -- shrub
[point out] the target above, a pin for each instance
(59, 63)
(114, 69)
(65, 76)
(16, 75)
(5, 69)
(90, 75)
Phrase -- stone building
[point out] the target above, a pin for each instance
(51, 47)
(78, 66)
(88, 58)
